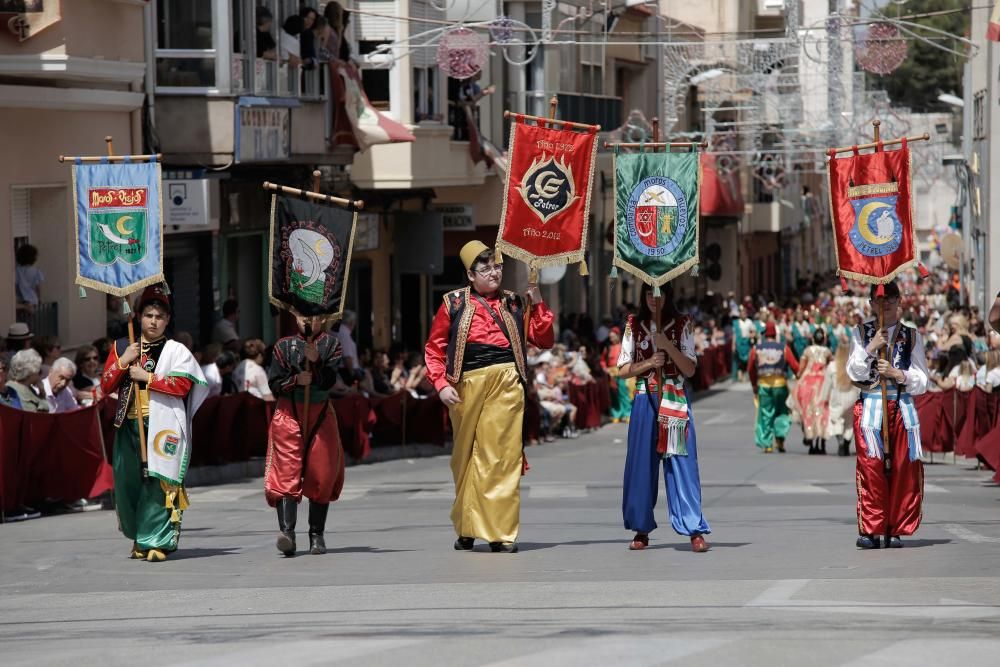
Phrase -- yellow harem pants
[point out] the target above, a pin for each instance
(486, 458)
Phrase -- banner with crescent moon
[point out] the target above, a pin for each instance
(546, 208)
(310, 255)
(871, 208)
(119, 228)
(656, 214)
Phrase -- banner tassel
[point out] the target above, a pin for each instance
(614, 271)
(656, 292)
(126, 310)
(880, 291)
(695, 270)
(83, 292)
(166, 288)
(498, 257)
(584, 271)
(532, 275)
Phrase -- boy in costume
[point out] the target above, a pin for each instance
(304, 459)
(159, 381)
(476, 358)
(768, 367)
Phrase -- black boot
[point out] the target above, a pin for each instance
(317, 523)
(287, 510)
(822, 446)
(842, 448)
(813, 449)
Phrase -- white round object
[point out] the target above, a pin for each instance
(550, 275)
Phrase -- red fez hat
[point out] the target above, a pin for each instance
(770, 330)
(154, 294)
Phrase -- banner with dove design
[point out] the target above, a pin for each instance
(119, 229)
(546, 207)
(871, 209)
(310, 255)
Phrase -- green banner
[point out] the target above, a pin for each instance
(656, 214)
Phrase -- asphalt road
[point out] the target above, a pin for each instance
(782, 585)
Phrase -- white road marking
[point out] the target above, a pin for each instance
(353, 493)
(779, 596)
(433, 494)
(791, 487)
(934, 488)
(305, 653)
(963, 533)
(537, 491)
(632, 651)
(724, 418)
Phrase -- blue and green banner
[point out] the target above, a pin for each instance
(119, 228)
(656, 214)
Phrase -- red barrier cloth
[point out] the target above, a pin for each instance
(51, 456)
(355, 418)
(588, 404)
(229, 429)
(426, 419)
(532, 417)
(935, 411)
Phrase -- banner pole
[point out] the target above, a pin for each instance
(886, 445)
(553, 106)
(141, 427)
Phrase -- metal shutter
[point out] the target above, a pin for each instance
(375, 28)
(20, 212)
(423, 56)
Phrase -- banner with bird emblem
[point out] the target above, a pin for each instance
(871, 208)
(310, 255)
(656, 214)
(119, 225)
(546, 207)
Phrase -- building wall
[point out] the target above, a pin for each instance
(41, 137)
(88, 29)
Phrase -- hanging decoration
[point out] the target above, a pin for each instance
(882, 49)
(502, 29)
(461, 53)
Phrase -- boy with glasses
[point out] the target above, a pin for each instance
(475, 356)
(888, 504)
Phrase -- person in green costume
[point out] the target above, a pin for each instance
(768, 366)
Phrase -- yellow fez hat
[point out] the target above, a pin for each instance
(470, 251)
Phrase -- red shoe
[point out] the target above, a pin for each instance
(698, 544)
(639, 542)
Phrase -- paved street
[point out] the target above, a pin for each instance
(783, 583)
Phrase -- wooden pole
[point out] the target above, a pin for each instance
(659, 144)
(891, 142)
(549, 121)
(886, 445)
(315, 196)
(143, 454)
(657, 300)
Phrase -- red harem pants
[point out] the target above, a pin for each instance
(323, 477)
(888, 507)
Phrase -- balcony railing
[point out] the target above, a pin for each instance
(269, 78)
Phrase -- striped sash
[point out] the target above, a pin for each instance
(871, 423)
(672, 417)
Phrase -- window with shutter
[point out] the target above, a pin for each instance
(20, 214)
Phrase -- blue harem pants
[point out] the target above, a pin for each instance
(642, 476)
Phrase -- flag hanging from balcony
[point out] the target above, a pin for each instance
(993, 29)
(871, 208)
(119, 231)
(656, 214)
(546, 207)
(355, 121)
(310, 255)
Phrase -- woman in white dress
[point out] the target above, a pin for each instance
(250, 375)
(840, 395)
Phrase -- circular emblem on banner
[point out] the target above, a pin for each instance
(644, 345)
(166, 442)
(877, 230)
(547, 187)
(657, 216)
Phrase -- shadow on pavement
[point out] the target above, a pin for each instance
(188, 554)
(364, 550)
(537, 546)
(711, 546)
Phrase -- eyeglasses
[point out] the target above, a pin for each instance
(487, 270)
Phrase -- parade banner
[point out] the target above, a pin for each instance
(310, 255)
(656, 214)
(119, 230)
(546, 208)
(871, 208)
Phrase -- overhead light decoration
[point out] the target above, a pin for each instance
(461, 53)
(881, 49)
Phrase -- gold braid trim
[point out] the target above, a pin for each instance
(516, 344)
(463, 334)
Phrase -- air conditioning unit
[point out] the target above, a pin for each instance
(774, 5)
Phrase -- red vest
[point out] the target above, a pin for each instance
(643, 344)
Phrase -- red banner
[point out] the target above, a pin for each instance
(872, 213)
(547, 202)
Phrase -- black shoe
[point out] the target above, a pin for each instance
(813, 449)
(867, 542)
(843, 449)
(821, 447)
(287, 510)
(503, 547)
(895, 542)
(317, 524)
(465, 543)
